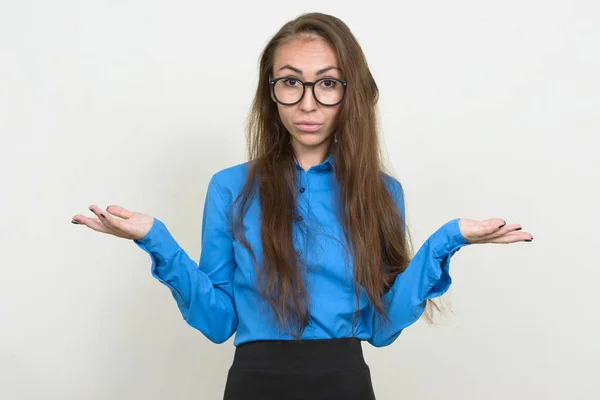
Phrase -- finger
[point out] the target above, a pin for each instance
(113, 224)
(119, 211)
(102, 216)
(92, 223)
(493, 224)
(484, 228)
(512, 237)
(501, 231)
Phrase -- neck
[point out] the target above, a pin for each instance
(310, 156)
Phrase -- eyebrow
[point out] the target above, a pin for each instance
(319, 72)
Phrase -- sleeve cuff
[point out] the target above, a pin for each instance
(159, 242)
(444, 243)
(448, 239)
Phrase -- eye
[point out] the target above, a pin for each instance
(291, 82)
(329, 84)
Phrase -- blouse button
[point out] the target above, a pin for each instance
(299, 218)
(302, 190)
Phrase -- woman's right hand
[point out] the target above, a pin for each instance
(117, 221)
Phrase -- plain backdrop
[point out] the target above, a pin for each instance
(488, 109)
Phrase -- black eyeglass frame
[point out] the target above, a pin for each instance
(272, 82)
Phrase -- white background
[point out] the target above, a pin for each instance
(488, 109)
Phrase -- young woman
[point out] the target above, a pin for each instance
(304, 247)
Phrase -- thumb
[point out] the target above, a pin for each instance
(119, 211)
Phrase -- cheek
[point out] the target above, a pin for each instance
(282, 112)
(285, 114)
(331, 114)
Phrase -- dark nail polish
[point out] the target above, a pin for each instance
(503, 225)
(103, 216)
(91, 209)
(75, 222)
(528, 240)
(518, 229)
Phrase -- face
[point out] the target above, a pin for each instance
(310, 124)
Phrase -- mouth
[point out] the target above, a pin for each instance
(308, 126)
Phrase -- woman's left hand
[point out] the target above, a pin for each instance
(494, 230)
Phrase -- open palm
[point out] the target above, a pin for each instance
(494, 230)
(117, 221)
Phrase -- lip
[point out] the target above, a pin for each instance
(308, 126)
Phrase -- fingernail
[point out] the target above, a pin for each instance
(91, 209)
(528, 240)
(504, 224)
(103, 216)
(75, 222)
(518, 229)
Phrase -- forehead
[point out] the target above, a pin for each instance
(307, 54)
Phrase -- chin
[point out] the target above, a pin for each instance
(311, 139)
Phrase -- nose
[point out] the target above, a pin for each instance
(308, 102)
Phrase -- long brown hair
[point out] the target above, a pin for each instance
(372, 224)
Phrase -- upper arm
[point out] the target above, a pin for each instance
(397, 193)
(217, 256)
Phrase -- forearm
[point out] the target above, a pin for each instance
(205, 304)
(427, 276)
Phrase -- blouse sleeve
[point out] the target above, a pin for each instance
(203, 292)
(426, 276)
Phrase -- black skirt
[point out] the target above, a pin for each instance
(292, 370)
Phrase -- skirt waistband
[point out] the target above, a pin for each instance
(304, 355)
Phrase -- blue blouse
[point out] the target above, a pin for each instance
(218, 296)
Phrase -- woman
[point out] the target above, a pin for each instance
(304, 247)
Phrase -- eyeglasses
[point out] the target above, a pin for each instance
(289, 91)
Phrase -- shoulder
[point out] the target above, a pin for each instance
(393, 185)
(396, 191)
(234, 173)
(229, 181)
